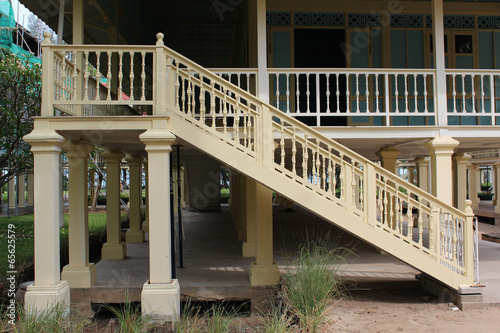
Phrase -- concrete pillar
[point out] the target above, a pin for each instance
(264, 271)
(161, 294)
(263, 77)
(242, 208)
(12, 193)
(21, 187)
(175, 191)
(48, 290)
(79, 272)
(474, 185)
(145, 224)
(460, 180)
(31, 183)
(423, 172)
(204, 182)
(78, 38)
(441, 150)
(113, 248)
(135, 234)
(411, 174)
(385, 36)
(184, 187)
(440, 63)
(496, 190)
(250, 217)
(388, 158)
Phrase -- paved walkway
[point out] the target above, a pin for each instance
(214, 267)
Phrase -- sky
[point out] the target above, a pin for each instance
(23, 13)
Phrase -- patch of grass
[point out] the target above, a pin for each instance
(218, 319)
(189, 320)
(54, 320)
(313, 281)
(23, 227)
(277, 320)
(129, 317)
(224, 195)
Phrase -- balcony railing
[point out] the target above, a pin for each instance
(388, 97)
(122, 80)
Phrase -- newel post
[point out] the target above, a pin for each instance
(160, 78)
(47, 76)
(469, 242)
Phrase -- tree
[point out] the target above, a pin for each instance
(37, 27)
(20, 100)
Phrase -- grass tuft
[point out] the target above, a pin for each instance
(277, 319)
(312, 282)
(218, 319)
(54, 320)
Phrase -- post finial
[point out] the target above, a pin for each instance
(468, 209)
(46, 37)
(159, 39)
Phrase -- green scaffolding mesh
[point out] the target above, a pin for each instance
(7, 23)
(8, 28)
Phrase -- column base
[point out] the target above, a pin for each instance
(145, 226)
(264, 274)
(134, 236)
(161, 300)
(114, 251)
(80, 277)
(248, 249)
(42, 299)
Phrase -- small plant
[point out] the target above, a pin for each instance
(218, 319)
(313, 282)
(54, 320)
(129, 317)
(277, 320)
(189, 321)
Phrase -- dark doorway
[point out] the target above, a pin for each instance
(321, 48)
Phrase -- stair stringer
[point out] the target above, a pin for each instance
(345, 217)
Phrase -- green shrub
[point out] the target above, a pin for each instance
(486, 187)
(485, 196)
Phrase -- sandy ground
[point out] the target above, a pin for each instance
(412, 311)
(383, 311)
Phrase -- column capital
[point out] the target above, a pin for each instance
(112, 155)
(497, 164)
(441, 145)
(158, 140)
(134, 159)
(388, 158)
(45, 141)
(77, 149)
(423, 160)
(462, 158)
(471, 165)
(388, 153)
